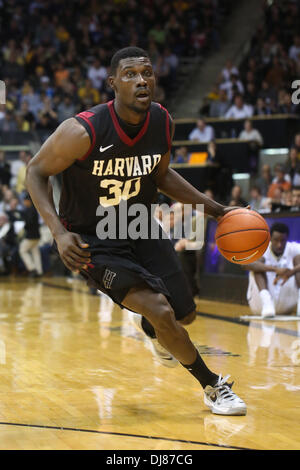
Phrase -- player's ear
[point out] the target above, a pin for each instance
(111, 82)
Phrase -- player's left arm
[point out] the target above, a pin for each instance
(170, 183)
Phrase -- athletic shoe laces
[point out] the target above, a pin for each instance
(222, 390)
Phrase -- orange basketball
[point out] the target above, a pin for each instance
(242, 236)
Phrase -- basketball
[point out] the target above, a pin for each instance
(242, 236)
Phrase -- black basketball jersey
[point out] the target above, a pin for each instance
(115, 168)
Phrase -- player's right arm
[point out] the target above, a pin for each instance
(259, 266)
(68, 143)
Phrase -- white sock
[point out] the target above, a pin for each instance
(268, 308)
(298, 304)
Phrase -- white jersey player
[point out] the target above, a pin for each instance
(274, 280)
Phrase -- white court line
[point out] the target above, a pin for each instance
(276, 318)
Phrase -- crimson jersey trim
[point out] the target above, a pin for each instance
(85, 115)
(124, 137)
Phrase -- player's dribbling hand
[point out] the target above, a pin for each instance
(72, 250)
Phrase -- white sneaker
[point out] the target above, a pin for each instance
(222, 400)
(268, 311)
(162, 355)
(268, 307)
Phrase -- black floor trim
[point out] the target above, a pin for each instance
(94, 431)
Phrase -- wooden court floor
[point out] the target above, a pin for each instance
(75, 374)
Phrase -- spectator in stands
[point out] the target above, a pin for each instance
(188, 257)
(7, 244)
(297, 144)
(45, 32)
(5, 173)
(26, 114)
(296, 198)
(285, 105)
(2, 111)
(8, 123)
(233, 86)
(257, 201)
(45, 126)
(7, 195)
(61, 74)
(45, 86)
(228, 71)
(255, 142)
(22, 124)
(219, 107)
(264, 180)
(212, 155)
(287, 199)
(32, 98)
(13, 70)
(214, 93)
(65, 109)
(267, 92)
(236, 197)
(181, 155)
(89, 95)
(294, 50)
(29, 247)
(202, 132)
(97, 73)
(277, 199)
(172, 60)
(250, 94)
(292, 167)
(250, 134)
(47, 115)
(158, 34)
(24, 157)
(281, 180)
(276, 74)
(239, 110)
(162, 71)
(14, 209)
(260, 107)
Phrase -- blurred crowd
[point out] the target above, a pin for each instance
(55, 56)
(273, 189)
(262, 85)
(25, 242)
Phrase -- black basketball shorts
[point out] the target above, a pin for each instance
(119, 265)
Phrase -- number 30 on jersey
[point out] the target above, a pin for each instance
(119, 190)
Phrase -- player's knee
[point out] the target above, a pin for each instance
(188, 319)
(164, 316)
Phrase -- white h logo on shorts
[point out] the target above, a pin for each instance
(108, 278)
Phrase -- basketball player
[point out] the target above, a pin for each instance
(274, 280)
(121, 150)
